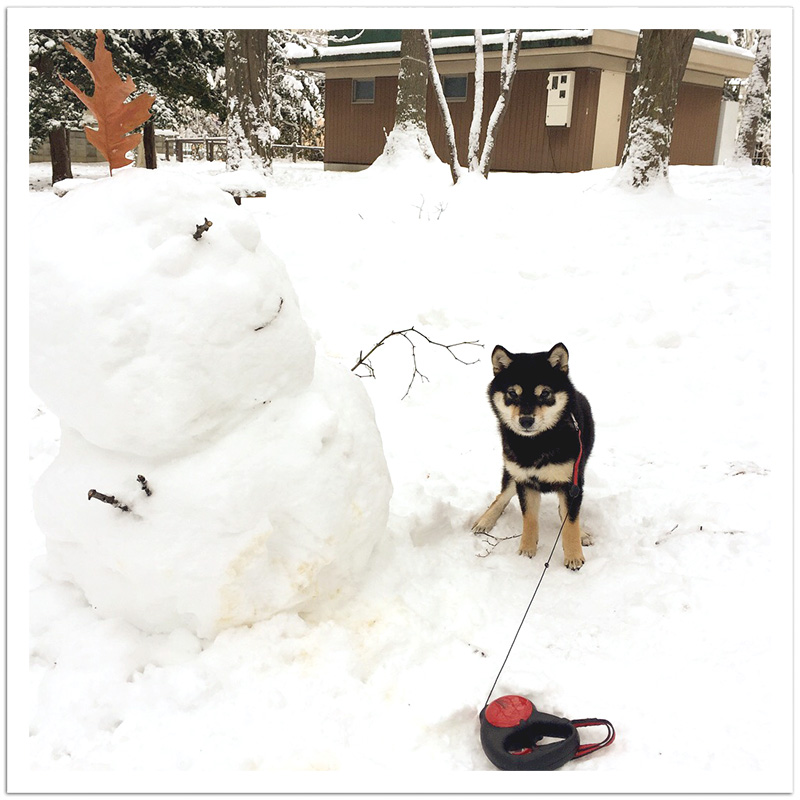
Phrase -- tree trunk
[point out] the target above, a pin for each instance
(412, 82)
(661, 58)
(410, 129)
(474, 151)
(508, 69)
(59, 153)
(753, 106)
(447, 120)
(249, 136)
(149, 139)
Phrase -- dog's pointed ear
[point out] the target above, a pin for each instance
(559, 357)
(501, 358)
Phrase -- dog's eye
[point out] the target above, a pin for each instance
(512, 394)
(546, 394)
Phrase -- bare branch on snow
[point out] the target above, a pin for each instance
(363, 359)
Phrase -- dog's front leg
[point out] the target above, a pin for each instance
(569, 510)
(498, 506)
(530, 500)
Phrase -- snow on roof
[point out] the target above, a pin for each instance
(294, 50)
(720, 47)
(378, 48)
(710, 44)
(454, 41)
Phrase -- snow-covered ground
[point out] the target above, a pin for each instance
(674, 307)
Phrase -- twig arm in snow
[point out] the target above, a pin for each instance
(201, 229)
(363, 359)
(106, 498)
(145, 486)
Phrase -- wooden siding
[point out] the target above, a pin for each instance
(696, 120)
(354, 132)
(694, 134)
(526, 144)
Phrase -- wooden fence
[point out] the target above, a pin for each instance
(207, 147)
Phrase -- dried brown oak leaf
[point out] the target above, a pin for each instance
(115, 118)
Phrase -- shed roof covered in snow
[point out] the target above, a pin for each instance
(352, 53)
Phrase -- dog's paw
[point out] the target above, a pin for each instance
(530, 552)
(574, 562)
(586, 539)
(483, 525)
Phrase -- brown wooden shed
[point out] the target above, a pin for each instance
(361, 91)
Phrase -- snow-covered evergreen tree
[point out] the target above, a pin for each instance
(266, 100)
(183, 68)
(50, 104)
(180, 67)
(247, 83)
(297, 98)
(754, 119)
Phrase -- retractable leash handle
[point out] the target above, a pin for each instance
(511, 729)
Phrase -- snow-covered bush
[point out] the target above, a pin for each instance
(186, 361)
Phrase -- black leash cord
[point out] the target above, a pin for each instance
(533, 597)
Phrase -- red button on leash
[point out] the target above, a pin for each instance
(509, 711)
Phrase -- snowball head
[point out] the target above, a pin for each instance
(145, 339)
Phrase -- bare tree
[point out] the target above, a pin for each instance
(477, 160)
(447, 120)
(247, 79)
(508, 69)
(661, 58)
(756, 94)
(474, 152)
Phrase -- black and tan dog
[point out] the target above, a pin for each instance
(547, 430)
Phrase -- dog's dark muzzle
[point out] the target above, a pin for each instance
(526, 422)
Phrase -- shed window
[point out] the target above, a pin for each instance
(364, 90)
(455, 87)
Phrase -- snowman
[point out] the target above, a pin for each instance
(213, 469)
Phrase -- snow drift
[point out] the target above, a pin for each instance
(186, 361)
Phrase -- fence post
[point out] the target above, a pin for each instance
(179, 150)
(149, 142)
